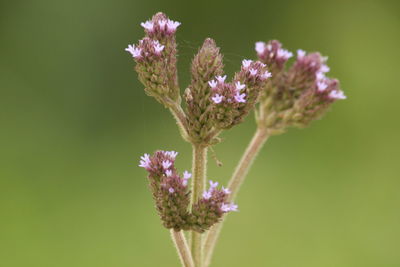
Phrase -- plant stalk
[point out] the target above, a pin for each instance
(257, 142)
(182, 248)
(198, 185)
(181, 120)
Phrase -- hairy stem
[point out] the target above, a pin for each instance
(258, 140)
(198, 185)
(182, 248)
(181, 119)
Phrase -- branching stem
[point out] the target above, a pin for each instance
(182, 248)
(257, 142)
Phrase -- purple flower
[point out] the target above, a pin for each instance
(240, 98)
(285, 54)
(228, 207)
(246, 63)
(253, 72)
(168, 173)
(158, 48)
(171, 190)
(260, 48)
(226, 190)
(186, 175)
(213, 184)
(148, 25)
(225, 207)
(321, 86)
(162, 24)
(213, 84)
(172, 26)
(217, 98)
(233, 207)
(324, 68)
(206, 194)
(145, 161)
(335, 94)
(320, 76)
(172, 154)
(166, 164)
(301, 53)
(239, 86)
(135, 51)
(221, 79)
(266, 75)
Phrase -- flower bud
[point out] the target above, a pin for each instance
(205, 66)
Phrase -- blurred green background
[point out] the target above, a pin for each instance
(74, 121)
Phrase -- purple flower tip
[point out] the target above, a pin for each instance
(301, 53)
(213, 84)
(166, 164)
(148, 25)
(229, 207)
(172, 25)
(240, 98)
(213, 184)
(335, 94)
(221, 79)
(253, 72)
(226, 190)
(158, 48)
(246, 63)
(186, 175)
(321, 86)
(217, 98)
(135, 51)
(266, 75)
(260, 48)
(239, 86)
(172, 154)
(206, 194)
(320, 76)
(284, 54)
(324, 69)
(145, 161)
(171, 190)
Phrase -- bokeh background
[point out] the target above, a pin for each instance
(74, 121)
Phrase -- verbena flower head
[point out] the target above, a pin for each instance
(172, 196)
(155, 57)
(297, 95)
(232, 101)
(210, 208)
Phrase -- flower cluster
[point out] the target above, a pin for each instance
(172, 197)
(298, 95)
(209, 209)
(155, 56)
(231, 102)
(169, 189)
(206, 64)
(273, 55)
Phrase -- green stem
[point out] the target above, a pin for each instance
(182, 248)
(180, 118)
(198, 186)
(257, 142)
